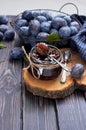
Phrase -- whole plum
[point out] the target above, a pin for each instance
(64, 32)
(41, 18)
(53, 30)
(45, 27)
(35, 14)
(24, 30)
(77, 70)
(76, 24)
(16, 53)
(34, 27)
(27, 15)
(3, 19)
(58, 22)
(68, 19)
(42, 36)
(47, 15)
(74, 30)
(1, 36)
(22, 22)
(9, 35)
(3, 28)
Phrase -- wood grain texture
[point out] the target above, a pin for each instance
(10, 90)
(72, 112)
(38, 113)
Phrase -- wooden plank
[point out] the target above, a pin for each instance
(10, 91)
(38, 113)
(72, 112)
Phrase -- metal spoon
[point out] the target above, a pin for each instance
(62, 65)
(66, 57)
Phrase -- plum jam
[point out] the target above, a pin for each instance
(41, 67)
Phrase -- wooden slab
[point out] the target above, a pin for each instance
(10, 88)
(53, 88)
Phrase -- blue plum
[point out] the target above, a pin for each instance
(45, 27)
(16, 53)
(47, 15)
(3, 28)
(68, 19)
(27, 15)
(34, 27)
(74, 30)
(64, 32)
(35, 14)
(22, 22)
(24, 30)
(58, 22)
(53, 30)
(76, 24)
(3, 19)
(42, 36)
(77, 70)
(41, 18)
(9, 35)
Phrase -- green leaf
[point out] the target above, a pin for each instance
(2, 45)
(53, 38)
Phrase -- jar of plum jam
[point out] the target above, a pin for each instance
(41, 67)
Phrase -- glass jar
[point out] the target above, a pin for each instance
(44, 68)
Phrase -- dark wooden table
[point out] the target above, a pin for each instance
(20, 110)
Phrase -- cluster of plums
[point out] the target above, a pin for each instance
(6, 33)
(35, 26)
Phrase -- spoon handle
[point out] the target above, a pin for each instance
(62, 65)
(63, 76)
